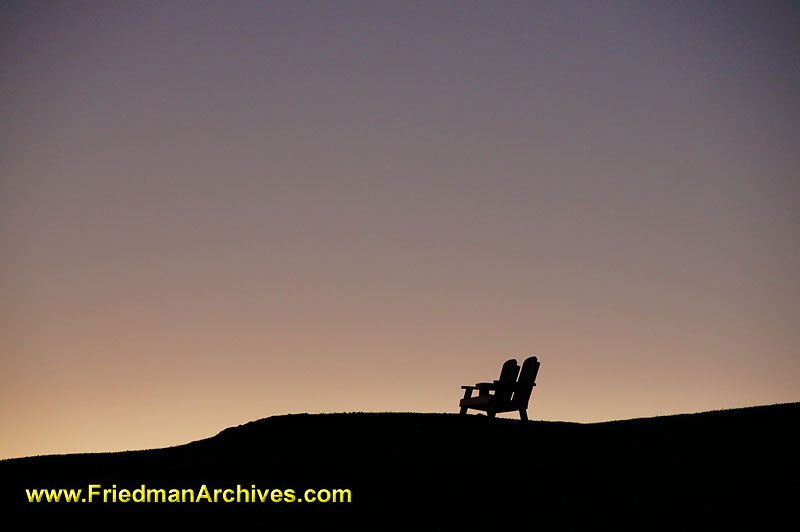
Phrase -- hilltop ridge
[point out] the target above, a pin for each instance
(711, 462)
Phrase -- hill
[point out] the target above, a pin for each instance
(441, 468)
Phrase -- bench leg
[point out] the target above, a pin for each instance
(491, 414)
(523, 414)
(467, 395)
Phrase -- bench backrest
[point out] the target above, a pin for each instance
(508, 375)
(526, 382)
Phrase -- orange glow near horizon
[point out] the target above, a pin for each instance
(215, 214)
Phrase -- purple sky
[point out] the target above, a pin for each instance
(214, 212)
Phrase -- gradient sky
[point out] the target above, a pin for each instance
(214, 212)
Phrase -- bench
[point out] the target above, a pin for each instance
(510, 394)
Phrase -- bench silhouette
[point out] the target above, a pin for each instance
(510, 394)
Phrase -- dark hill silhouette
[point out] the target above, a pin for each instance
(440, 468)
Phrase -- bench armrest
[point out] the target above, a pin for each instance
(482, 386)
(496, 385)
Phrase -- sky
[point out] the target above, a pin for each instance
(216, 212)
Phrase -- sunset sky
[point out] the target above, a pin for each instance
(215, 212)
